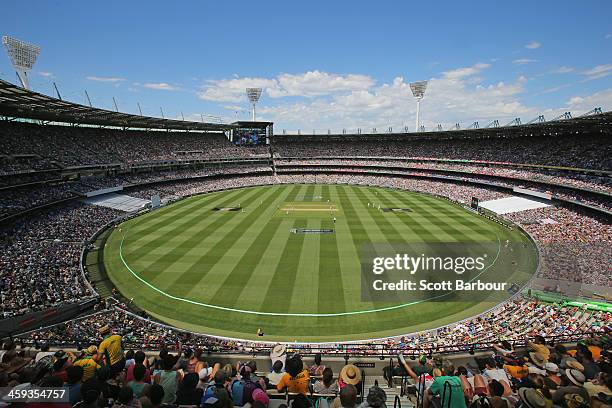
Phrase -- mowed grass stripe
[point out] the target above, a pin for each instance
(359, 236)
(185, 246)
(330, 284)
(473, 231)
(167, 269)
(306, 280)
(304, 272)
(306, 275)
(263, 269)
(391, 198)
(433, 227)
(280, 290)
(143, 243)
(165, 216)
(196, 274)
(233, 282)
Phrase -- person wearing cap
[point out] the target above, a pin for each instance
(62, 360)
(88, 363)
(350, 374)
(422, 367)
(296, 378)
(111, 350)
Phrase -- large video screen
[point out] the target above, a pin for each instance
(247, 137)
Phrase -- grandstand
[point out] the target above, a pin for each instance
(76, 181)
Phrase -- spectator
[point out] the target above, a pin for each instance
(75, 375)
(111, 350)
(326, 385)
(187, 392)
(296, 378)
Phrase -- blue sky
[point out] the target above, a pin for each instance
(322, 64)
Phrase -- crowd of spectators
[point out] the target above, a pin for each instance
(13, 201)
(39, 257)
(513, 321)
(80, 146)
(584, 151)
(575, 247)
(525, 360)
(580, 180)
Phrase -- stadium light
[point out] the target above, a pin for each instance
(23, 56)
(253, 94)
(418, 91)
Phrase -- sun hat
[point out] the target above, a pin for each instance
(538, 359)
(278, 352)
(350, 374)
(104, 329)
(575, 376)
(551, 367)
(532, 398)
(92, 350)
(575, 401)
(573, 363)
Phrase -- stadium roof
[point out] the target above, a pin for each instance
(600, 123)
(18, 102)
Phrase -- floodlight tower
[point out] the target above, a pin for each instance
(23, 56)
(418, 91)
(253, 94)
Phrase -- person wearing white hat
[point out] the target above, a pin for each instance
(278, 352)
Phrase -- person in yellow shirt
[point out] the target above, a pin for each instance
(88, 362)
(111, 351)
(539, 346)
(296, 377)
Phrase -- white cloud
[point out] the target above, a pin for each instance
(45, 74)
(582, 104)
(533, 45)
(450, 98)
(234, 90)
(309, 84)
(105, 79)
(161, 86)
(523, 61)
(563, 70)
(608, 36)
(465, 71)
(599, 71)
